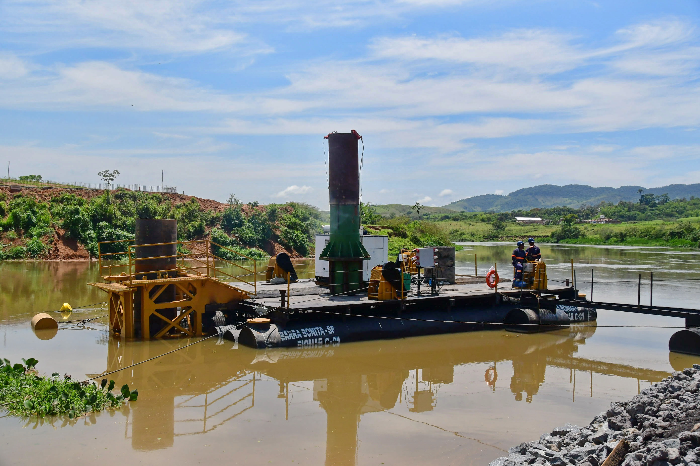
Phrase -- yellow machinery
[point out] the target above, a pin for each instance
(410, 261)
(535, 275)
(198, 279)
(275, 271)
(381, 289)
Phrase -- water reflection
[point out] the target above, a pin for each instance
(451, 399)
(205, 386)
(28, 288)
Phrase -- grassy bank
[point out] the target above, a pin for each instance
(652, 222)
(682, 233)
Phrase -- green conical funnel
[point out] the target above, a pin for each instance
(344, 250)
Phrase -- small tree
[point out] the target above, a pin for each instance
(30, 178)
(417, 207)
(108, 176)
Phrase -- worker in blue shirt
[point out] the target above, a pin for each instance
(533, 252)
(519, 257)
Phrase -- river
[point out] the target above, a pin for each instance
(450, 399)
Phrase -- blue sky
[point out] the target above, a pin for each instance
(454, 98)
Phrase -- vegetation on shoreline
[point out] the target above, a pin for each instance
(653, 221)
(29, 226)
(402, 231)
(24, 393)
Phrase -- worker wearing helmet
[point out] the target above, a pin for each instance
(519, 257)
(533, 252)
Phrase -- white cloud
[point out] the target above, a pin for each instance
(499, 192)
(438, 94)
(163, 25)
(293, 190)
(11, 67)
(642, 165)
(446, 192)
(99, 84)
(534, 51)
(656, 33)
(409, 86)
(192, 26)
(385, 191)
(424, 200)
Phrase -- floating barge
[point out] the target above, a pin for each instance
(315, 318)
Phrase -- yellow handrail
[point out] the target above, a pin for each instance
(209, 261)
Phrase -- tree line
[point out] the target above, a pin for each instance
(27, 225)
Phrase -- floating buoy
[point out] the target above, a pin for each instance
(44, 326)
(44, 321)
(66, 308)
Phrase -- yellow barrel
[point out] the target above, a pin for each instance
(44, 321)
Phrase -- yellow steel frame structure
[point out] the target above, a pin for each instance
(197, 280)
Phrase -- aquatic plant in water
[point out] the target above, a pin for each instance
(23, 392)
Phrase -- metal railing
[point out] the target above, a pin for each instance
(191, 258)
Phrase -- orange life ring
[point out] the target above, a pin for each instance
(492, 278)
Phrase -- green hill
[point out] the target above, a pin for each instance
(572, 195)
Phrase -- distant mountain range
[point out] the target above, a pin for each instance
(572, 195)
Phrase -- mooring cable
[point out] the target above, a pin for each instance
(81, 321)
(151, 359)
(85, 306)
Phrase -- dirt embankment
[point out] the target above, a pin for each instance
(64, 248)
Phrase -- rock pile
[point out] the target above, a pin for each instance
(661, 426)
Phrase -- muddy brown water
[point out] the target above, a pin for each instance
(449, 399)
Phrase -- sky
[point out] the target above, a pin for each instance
(453, 98)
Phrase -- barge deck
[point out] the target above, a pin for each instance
(312, 317)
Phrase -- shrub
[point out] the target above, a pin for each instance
(566, 231)
(26, 213)
(232, 218)
(220, 237)
(368, 214)
(293, 236)
(16, 252)
(24, 393)
(68, 199)
(105, 232)
(147, 205)
(76, 222)
(260, 227)
(191, 219)
(36, 248)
